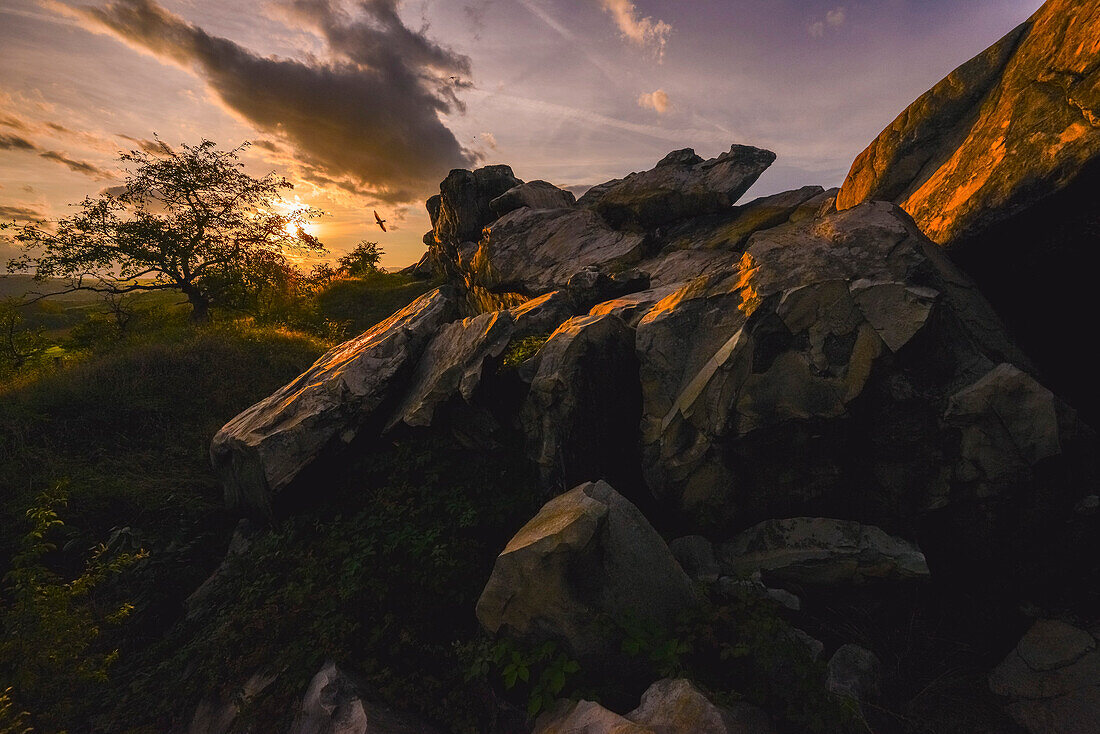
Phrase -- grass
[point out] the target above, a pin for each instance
(359, 303)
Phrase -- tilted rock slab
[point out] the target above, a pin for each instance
(334, 704)
(681, 185)
(261, 451)
(1012, 125)
(821, 551)
(588, 552)
(534, 194)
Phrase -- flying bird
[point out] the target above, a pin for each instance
(380, 220)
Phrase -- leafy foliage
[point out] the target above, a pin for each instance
(362, 260)
(523, 349)
(187, 219)
(51, 647)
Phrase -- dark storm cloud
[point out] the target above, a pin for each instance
(367, 118)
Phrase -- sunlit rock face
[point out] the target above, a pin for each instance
(1000, 162)
(261, 451)
(1013, 125)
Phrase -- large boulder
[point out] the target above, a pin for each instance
(821, 551)
(1000, 162)
(534, 194)
(462, 209)
(588, 553)
(261, 451)
(1014, 124)
(1052, 680)
(536, 250)
(681, 185)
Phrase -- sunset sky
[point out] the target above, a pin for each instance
(366, 105)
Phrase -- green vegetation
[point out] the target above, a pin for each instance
(123, 420)
(523, 349)
(188, 220)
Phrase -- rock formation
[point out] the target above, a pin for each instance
(1000, 162)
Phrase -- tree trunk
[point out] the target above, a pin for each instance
(200, 307)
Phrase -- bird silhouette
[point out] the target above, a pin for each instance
(380, 220)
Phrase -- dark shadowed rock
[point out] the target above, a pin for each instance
(1007, 128)
(1052, 679)
(534, 194)
(821, 551)
(585, 717)
(744, 371)
(258, 453)
(695, 554)
(855, 672)
(682, 185)
(587, 553)
(463, 208)
(582, 411)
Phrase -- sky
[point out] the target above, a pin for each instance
(367, 104)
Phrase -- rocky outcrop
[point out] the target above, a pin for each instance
(681, 185)
(534, 194)
(463, 209)
(587, 553)
(670, 706)
(261, 451)
(840, 336)
(1016, 123)
(1000, 161)
(1052, 679)
(821, 551)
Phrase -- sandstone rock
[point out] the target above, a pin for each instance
(334, 704)
(585, 717)
(667, 707)
(1053, 680)
(258, 453)
(1005, 129)
(535, 194)
(854, 672)
(695, 554)
(535, 250)
(820, 551)
(842, 336)
(453, 363)
(587, 552)
(680, 186)
(1009, 423)
(463, 207)
(632, 308)
(581, 413)
(678, 707)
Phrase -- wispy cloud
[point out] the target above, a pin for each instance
(656, 100)
(581, 45)
(24, 213)
(643, 31)
(365, 119)
(12, 142)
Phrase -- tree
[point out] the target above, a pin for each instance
(18, 344)
(363, 260)
(187, 219)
